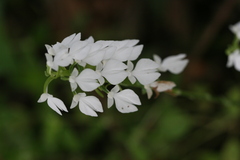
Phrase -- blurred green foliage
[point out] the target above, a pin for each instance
(202, 122)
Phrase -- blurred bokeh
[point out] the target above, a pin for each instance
(203, 123)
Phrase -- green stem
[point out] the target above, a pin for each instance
(47, 82)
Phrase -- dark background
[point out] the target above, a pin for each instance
(201, 124)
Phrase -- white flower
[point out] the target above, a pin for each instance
(145, 71)
(175, 64)
(113, 71)
(236, 29)
(63, 58)
(72, 79)
(65, 44)
(50, 62)
(87, 80)
(88, 105)
(148, 90)
(54, 103)
(162, 86)
(125, 100)
(234, 60)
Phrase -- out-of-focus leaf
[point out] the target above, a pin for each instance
(231, 149)
(208, 155)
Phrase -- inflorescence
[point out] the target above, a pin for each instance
(105, 67)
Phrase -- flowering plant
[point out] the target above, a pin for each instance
(105, 67)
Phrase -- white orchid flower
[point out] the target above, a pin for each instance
(54, 103)
(87, 80)
(50, 62)
(63, 58)
(175, 64)
(88, 105)
(114, 71)
(145, 71)
(236, 29)
(234, 60)
(125, 100)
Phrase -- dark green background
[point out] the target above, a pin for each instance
(201, 124)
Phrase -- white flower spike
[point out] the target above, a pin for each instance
(88, 105)
(96, 65)
(125, 100)
(54, 103)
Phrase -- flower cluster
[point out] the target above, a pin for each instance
(233, 51)
(104, 66)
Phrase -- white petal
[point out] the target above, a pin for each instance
(123, 54)
(157, 59)
(94, 103)
(94, 58)
(115, 89)
(59, 103)
(104, 43)
(136, 52)
(132, 79)
(147, 78)
(175, 64)
(116, 78)
(49, 57)
(109, 52)
(232, 57)
(81, 53)
(110, 102)
(146, 64)
(119, 44)
(77, 37)
(74, 72)
(78, 45)
(89, 40)
(73, 86)
(129, 96)
(149, 91)
(178, 67)
(237, 63)
(73, 104)
(68, 39)
(84, 108)
(114, 71)
(87, 80)
(130, 66)
(52, 105)
(76, 99)
(101, 80)
(43, 97)
(131, 42)
(50, 50)
(88, 74)
(125, 107)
